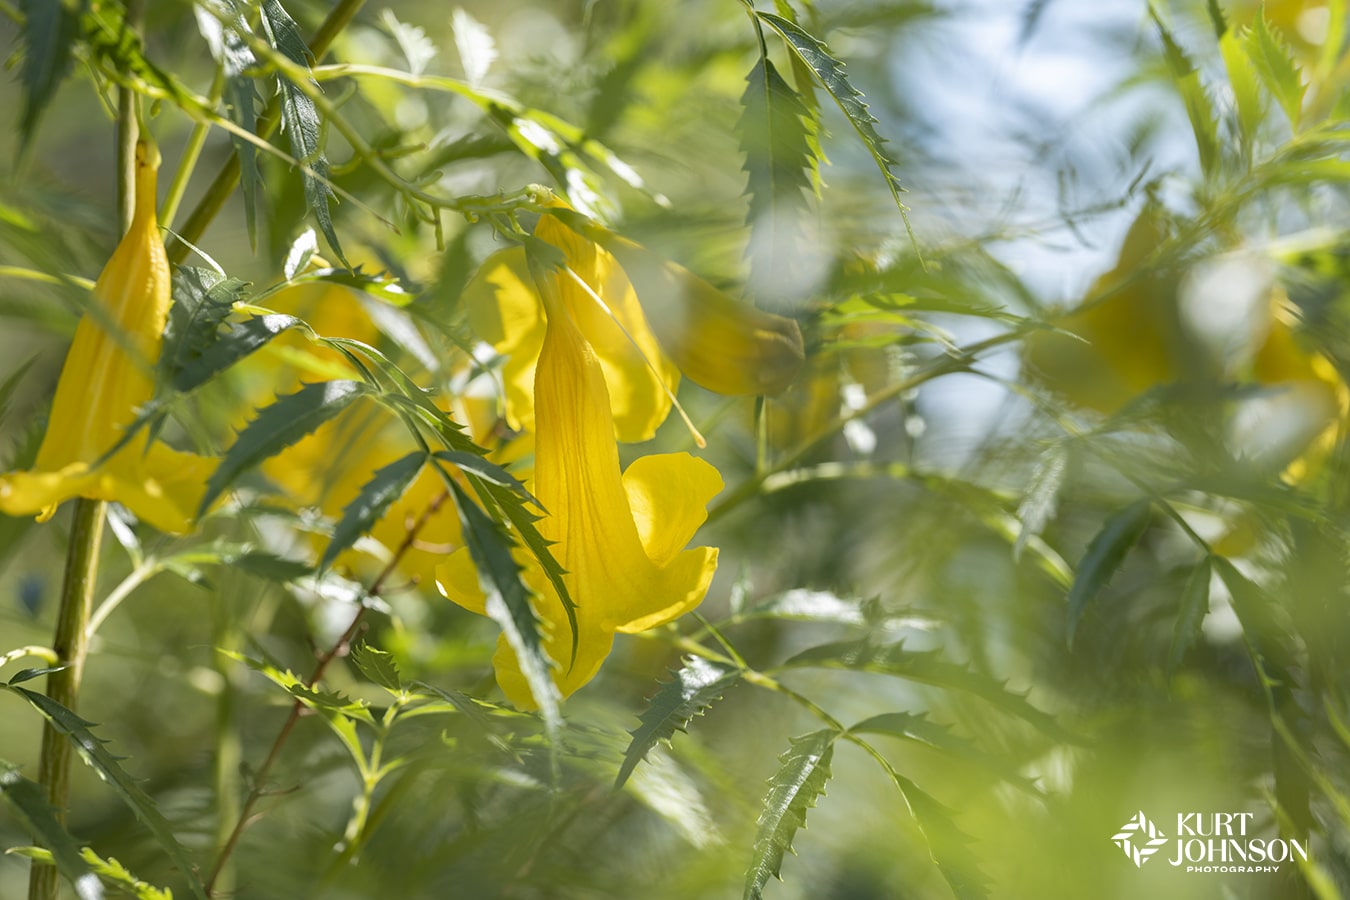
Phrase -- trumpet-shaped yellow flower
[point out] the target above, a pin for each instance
(107, 376)
(620, 538)
(682, 324)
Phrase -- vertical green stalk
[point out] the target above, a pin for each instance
(71, 639)
(70, 644)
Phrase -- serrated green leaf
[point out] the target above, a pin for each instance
(793, 790)
(276, 427)
(918, 728)
(695, 686)
(300, 119)
(96, 756)
(1038, 503)
(1199, 110)
(829, 71)
(1191, 614)
(203, 300)
(1276, 68)
(775, 138)
(1242, 80)
(1104, 556)
(28, 799)
(223, 26)
(378, 666)
(948, 845)
(369, 506)
(114, 871)
(489, 471)
(927, 667)
(508, 600)
(241, 340)
(50, 30)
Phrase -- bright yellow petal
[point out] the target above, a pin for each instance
(668, 494)
(504, 310)
(39, 493)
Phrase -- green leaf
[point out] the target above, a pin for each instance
(369, 506)
(378, 666)
(1038, 504)
(203, 299)
(830, 72)
(114, 871)
(948, 845)
(223, 26)
(278, 426)
(96, 756)
(1276, 68)
(793, 790)
(474, 464)
(1194, 608)
(300, 119)
(50, 30)
(1198, 107)
(508, 600)
(240, 341)
(270, 566)
(927, 667)
(1242, 80)
(1264, 626)
(919, 729)
(1104, 556)
(775, 138)
(695, 687)
(28, 799)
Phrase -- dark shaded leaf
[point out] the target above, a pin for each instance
(97, 757)
(793, 790)
(830, 72)
(270, 566)
(278, 426)
(28, 799)
(367, 507)
(203, 300)
(50, 29)
(300, 120)
(695, 686)
(223, 26)
(1194, 608)
(1104, 556)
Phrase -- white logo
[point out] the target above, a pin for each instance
(1139, 838)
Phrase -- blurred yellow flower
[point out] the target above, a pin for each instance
(107, 376)
(620, 538)
(682, 325)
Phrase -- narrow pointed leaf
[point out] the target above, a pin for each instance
(927, 667)
(1104, 556)
(919, 729)
(300, 119)
(28, 799)
(223, 26)
(96, 756)
(775, 138)
(793, 790)
(1199, 109)
(1276, 68)
(1194, 608)
(695, 687)
(1038, 504)
(280, 425)
(508, 600)
(369, 506)
(830, 72)
(50, 29)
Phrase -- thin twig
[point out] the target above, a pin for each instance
(339, 647)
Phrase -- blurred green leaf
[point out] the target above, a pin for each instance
(793, 790)
(1275, 66)
(1198, 107)
(1103, 557)
(1191, 614)
(50, 30)
(29, 802)
(222, 24)
(91, 750)
(694, 687)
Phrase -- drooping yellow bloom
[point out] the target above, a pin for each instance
(107, 376)
(647, 321)
(619, 537)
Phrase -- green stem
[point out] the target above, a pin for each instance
(70, 644)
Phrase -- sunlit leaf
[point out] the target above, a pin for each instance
(694, 687)
(378, 666)
(1276, 68)
(793, 790)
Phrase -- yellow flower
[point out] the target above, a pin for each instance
(107, 376)
(682, 324)
(620, 538)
